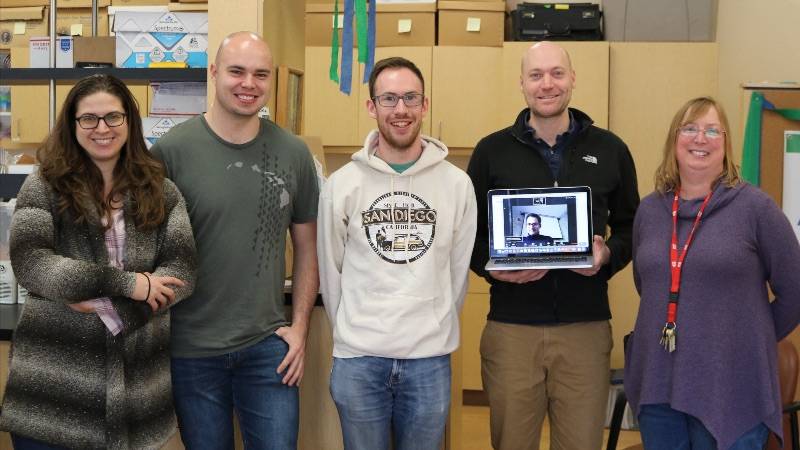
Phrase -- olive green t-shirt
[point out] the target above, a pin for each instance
(241, 200)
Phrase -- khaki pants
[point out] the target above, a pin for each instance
(560, 370)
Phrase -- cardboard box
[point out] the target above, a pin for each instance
(202, 6)
(22, 3)
(78, 22)
(471, 23)
(177, 99)
(80, 4)
(39, 51)
(155, 127)
(139, 2)
(17, 25)
(144, 37)
(657, 20)
(98, 49)
(397, 24)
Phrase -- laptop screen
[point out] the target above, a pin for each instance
(529, 222)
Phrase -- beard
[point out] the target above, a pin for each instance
(399, 142)
(547, 113)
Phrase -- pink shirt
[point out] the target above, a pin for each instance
(115, 244)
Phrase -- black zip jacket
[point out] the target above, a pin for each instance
(593, 157)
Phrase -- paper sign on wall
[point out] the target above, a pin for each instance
(791, 178)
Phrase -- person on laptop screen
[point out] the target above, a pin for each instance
(531, 235)
(546, 346)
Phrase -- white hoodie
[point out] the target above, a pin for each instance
(394, 253)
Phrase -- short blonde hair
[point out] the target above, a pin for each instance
(667, 176)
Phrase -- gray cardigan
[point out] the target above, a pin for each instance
(72, 383)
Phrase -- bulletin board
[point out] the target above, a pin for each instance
(773, 126)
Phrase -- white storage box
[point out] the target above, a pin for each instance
(155, 127)
(145, 37)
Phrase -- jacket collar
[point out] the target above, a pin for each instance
(582, 121)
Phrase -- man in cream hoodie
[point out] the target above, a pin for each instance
(395, 235)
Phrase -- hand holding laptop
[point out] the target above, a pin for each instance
(602, 254)
(519, 276)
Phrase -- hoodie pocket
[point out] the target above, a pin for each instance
(393, 314)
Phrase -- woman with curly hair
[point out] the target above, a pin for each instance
(102, 242)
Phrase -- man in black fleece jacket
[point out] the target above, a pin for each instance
(546, 345)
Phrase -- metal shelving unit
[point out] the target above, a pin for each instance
(42, 76)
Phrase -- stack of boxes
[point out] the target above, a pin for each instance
(417, 23)
(130, 34)
(159, 30)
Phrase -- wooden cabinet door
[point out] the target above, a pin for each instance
(473, 320)
(465, 94)
(422, 57)
(330, 114)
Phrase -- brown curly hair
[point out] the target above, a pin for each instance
(77, 181)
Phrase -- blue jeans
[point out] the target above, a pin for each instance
(377, 396)
(207, 390)
(664, 428)
(23, 443)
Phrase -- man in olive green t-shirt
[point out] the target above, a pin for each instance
(246, 181)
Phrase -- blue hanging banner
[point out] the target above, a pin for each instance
(370, 42)
(347, 49)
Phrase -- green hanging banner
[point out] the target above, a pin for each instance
(751, 151)
(333, 70)
(361, 29)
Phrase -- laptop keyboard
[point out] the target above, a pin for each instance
(542, 259)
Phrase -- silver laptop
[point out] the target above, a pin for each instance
(540, 228)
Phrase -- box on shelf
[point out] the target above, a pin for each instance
(657, 20)
(177, 98)
(8, 284)
(201, 6)
(81, 4)
(139, 2)
(17, 25)
(39, 51)
(397, 24)
(471, 23)
(155, 127)
(96, 49)
(145, 37)
(21, 3)
(78, 21)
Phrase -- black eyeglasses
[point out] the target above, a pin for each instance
(391, 100)
(90, 121)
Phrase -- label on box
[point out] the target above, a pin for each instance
(8, 285)
(178, 98)
(404, 26)
(39, 52)
(155, 127)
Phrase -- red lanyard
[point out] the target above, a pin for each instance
(676, 266)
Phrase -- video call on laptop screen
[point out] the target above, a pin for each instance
(564, 221)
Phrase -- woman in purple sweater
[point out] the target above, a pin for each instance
(701, 370)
